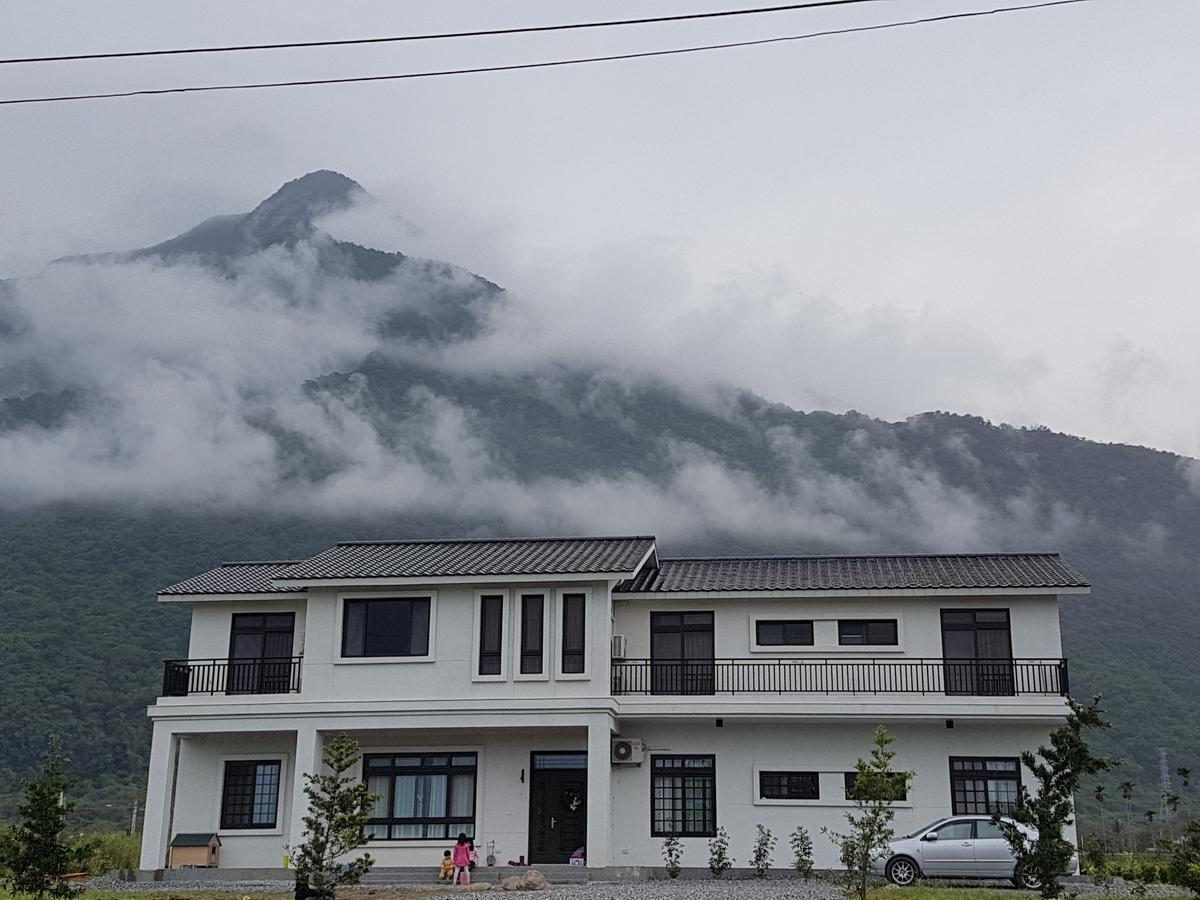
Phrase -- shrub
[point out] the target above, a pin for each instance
(764, 846)
(802, 851)
(719, 860)
(102, 852)
(35, 854)
(1184, 867)
(672, 854)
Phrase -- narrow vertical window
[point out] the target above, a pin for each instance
(573, 606)
(491, 631)
(532, 625)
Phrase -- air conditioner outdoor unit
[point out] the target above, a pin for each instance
(628, 752)
(618, 646)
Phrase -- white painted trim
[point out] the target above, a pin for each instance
(865, 594)
(506, 617)
(836, 776)
(231, 598)
(281, 801)
(559, 674)
(413, 584)
(547, 596)
(340, 618)
(428, 749)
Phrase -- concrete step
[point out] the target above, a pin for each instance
(556, 874)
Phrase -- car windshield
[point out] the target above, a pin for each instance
(922, 829)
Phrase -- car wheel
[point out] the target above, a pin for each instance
(1026, 879)
(902, 871)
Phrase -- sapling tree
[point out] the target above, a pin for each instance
(672, 854)
(764, 847)
(802, 852)
(339, 807)
(33, 853)
(1057, 770)
(719, 860)
(876, 787)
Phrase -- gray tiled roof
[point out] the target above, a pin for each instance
(236, 578)
(470, 558)
(841, 573)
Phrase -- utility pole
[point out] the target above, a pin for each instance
(133, 820)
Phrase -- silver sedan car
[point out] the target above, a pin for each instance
(967, 847)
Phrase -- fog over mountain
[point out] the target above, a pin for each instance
(260, 387)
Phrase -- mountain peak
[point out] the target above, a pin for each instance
(288, 213)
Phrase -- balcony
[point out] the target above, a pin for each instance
(184, 677)
(953, 677)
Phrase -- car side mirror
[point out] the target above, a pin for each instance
(932, 836)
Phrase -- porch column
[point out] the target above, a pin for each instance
(307, 761)
(160, 784)
(599, 799)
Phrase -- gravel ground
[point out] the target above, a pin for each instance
(689, 889)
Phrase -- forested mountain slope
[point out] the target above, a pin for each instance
(258, 389)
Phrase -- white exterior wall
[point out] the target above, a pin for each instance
(743, 747)
(1033, 620)
(202, 759)
(212, 622)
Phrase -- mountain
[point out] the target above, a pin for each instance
(257, 388)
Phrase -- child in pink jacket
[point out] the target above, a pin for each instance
(462, 860)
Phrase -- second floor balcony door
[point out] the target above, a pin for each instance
(260, 653)
(681, 653)
(977, 649)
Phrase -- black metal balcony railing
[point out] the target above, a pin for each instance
(960, 677)
(182, 677)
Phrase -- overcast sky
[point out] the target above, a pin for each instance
(998, 216)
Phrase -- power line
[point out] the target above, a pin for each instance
(437, 73)
(441, 35)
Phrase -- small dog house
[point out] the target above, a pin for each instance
(195, 851)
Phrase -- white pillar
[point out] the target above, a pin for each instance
(599, 800)
(160, 781)
(307, 761)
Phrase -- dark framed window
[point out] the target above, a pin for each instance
(574, 609)
(533, 610)
(683, 796)
(392, 626)
(250, 793)
(789, 786)
(982, 785)
(783, 633)
(899, 787)
(491, 634)
(867, 632)
(420, 795)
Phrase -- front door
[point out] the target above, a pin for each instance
(260, 653)
(952, 853)
(977, 649)
(681, 653)
(557, 805)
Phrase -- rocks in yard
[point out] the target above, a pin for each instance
(533, 880)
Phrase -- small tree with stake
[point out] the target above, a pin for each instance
(1057, 769)
(876, 787)
(339, 807)
(34, 852)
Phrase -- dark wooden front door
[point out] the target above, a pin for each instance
(557, 806)
(260, 653)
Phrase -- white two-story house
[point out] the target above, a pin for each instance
(547, 695)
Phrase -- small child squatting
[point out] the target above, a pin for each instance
(447, 872)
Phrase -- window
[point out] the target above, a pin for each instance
(491, 634)
(683, 796)
(250, 798)
(420, 795)
(390, 627)
(899, 793)
(783, 633)
(871, 632)
(982, 786)
(573, 606)
(789, 786)
(955, 831)
(986, 831)
(533, 609)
